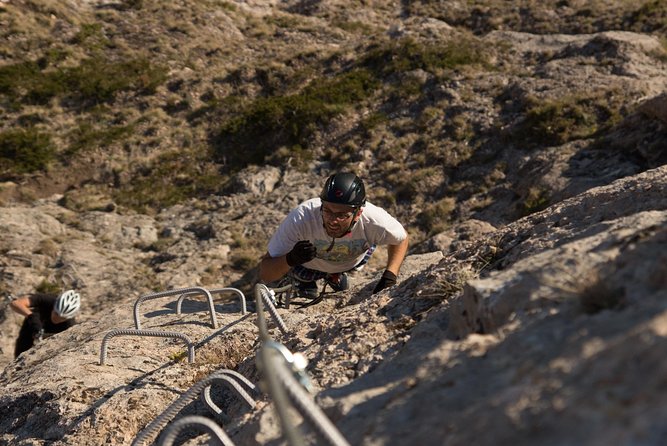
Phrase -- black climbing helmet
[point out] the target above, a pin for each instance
(344, 188)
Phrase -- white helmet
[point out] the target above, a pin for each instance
(68, 304)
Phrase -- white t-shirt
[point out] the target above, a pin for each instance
(374, 227)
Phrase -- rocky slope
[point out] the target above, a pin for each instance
(556, 340)
(531, 308)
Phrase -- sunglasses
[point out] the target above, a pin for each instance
(331, 215)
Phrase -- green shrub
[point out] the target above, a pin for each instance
(339, 156)
(258, 130)
(90, 36)
(24, 151)
(228, 6)
(171, 179)
(354, 27)
(660, 53)
(97, 80)
(26, 79)
(436, 217)
(244, 260)
(536, 200)
(132, 4)
(410, 183)
(557, 121)
(282, 21)
(94, 81)
(373, 120)
(650, 17)
(459, 128)
(88, 135)
(407, 54)
(47, 287)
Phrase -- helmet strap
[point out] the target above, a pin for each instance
(354, 221)
(347, 231)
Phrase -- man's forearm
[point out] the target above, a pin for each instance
(272, 268)
(21, 306)
(396, 255)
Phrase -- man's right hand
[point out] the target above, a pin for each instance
(303, 252)
(34, 323)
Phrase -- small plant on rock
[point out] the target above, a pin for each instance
(24, 151)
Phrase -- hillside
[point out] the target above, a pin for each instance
(149, 146)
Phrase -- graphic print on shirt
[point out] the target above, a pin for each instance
(343, 250)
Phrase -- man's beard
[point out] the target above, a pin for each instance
(335, 231)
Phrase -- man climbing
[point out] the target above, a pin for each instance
(44, 314)
(325, 237)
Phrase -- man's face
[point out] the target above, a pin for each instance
(338, 217)
(56, 319)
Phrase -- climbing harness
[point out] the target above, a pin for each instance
(287, 290)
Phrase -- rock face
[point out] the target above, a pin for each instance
(532, 306)
(554, 337)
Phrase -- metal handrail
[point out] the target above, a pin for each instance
(149, 333)
(214, 430)
(215, 291)
(191, 290)
(174, 408)
(286, 286)
(206, 392)
(273, 387)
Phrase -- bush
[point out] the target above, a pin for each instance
(536, 200)
(173, 178)
(88, 136)
(436, 217)
(271, 128)
(47, 287)
(406, 55)
(557, 121)
(26, 79)
(255, 134)
(96, 80)
(24, 151)
(93, 81)
(650, 17)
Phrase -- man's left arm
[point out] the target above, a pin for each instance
(395, 256)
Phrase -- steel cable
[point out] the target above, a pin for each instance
(263, 293)
(283, 386)
(305, 405)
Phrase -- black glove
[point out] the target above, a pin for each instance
(33, 323)
(303, 252)
(388, 279)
